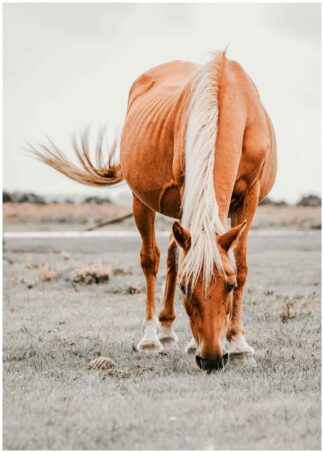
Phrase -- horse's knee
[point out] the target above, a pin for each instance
(150, 261)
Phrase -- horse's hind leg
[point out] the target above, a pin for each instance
(150, 259)
(235, 332)
(167, 312)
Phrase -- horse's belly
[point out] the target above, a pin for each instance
(165, 200)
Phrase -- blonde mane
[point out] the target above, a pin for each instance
(200, 213)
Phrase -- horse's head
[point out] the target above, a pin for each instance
(209, 308)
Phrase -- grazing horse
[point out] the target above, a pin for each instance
(197, 145)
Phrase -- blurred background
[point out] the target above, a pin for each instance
(67, 66)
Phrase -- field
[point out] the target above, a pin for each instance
(54, 325)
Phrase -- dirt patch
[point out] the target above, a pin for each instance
(91, 275)
(294, 308)
(84, 213)
(48, 274)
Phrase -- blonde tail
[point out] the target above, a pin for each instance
(101, 174)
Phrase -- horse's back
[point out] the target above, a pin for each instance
(173, 75)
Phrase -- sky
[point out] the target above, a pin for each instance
(67, 66)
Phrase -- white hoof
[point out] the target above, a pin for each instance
(149, 346)
(240, 346)
(167, 334)
(150, 341)
(191, 347)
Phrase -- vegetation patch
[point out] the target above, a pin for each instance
(91, 275)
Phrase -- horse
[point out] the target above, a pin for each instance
(198, 146)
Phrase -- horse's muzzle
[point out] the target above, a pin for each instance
(212, 363)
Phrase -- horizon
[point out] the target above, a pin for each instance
(76, 197)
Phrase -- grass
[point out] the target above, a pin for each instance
(54, 328)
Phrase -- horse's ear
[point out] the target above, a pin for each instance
(181, 235)
(229, 239)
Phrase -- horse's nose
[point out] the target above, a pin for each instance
(212, 363)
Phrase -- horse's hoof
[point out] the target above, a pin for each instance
(167, 336)
(150, 342)
(240, 346)
(191, 347)
(101, 363)
(149, 346)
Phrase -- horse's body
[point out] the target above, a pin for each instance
(197, 145)
(152, 147)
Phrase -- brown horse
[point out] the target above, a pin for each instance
(197, 145)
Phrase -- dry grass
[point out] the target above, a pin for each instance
(47, 274)
(61, 212)
(53, 330)
(88, 213)
(91, 275)
(293, 308)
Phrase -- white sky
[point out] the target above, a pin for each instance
(70, 65)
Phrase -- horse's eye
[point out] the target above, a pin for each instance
(230, 286)
(183, 288)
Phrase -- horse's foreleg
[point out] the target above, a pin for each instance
(235, 333)
(167, 312)
(150, 259)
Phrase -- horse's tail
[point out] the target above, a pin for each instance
(98, 174)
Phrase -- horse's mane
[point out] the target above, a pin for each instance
(200, 213)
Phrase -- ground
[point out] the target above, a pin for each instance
(55, 325)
